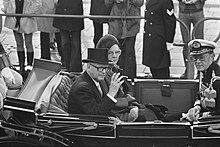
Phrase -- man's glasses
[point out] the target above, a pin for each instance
(100, 69)
(118, 52)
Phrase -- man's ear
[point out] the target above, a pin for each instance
(213, 56)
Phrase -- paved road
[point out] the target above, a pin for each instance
(212, 28)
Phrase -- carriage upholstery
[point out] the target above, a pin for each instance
(59, 99)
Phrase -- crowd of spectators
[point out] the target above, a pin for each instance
(68, 31)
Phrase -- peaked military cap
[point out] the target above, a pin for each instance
(97, 55)
(201, 46)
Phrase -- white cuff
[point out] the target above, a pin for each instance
(197, 102)
(112, 98)
(169, 46)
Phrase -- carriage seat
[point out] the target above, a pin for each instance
(59, 99)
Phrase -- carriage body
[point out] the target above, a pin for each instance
(40, 118)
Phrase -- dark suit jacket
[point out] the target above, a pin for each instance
(159, 28)
(84, 98)
(69, 7)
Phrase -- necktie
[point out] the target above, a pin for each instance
(99, 88)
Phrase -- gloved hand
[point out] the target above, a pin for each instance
(133, 114)
(193, 114)
(169, 46)
(8, 76)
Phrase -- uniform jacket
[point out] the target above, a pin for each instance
(122, 28)
(69, 7)
(160, 25)
(45, 24)
(98, 7)
(27, 24)
(84, 98)
(207, 75)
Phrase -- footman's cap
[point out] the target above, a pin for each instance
(97, 55)
(201, 46)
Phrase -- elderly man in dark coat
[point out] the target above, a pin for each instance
(86, 95)
(70, 31)
(160, 25)
(90, 94)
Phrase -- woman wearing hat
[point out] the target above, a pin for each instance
(208, 100)
(111, 43)
(125, 100)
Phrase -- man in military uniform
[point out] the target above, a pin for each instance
(208, 100)
(160, 25)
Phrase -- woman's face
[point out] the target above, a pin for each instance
(114, 53)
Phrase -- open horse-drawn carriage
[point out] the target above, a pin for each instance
(36, 115)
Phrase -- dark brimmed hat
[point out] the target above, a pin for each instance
(107, 41)
(97, 55)
(200, 46)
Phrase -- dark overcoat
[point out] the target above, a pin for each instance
(98, 7)
(160, 25)
(69, 7)
(84, 98)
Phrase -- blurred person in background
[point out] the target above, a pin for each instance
(45, 26)
(23, 28)
(190, 12)
(125, 30)
(98, 7)
(70, 31)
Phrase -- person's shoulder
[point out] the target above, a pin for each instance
(216, 68)
(79, 81)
